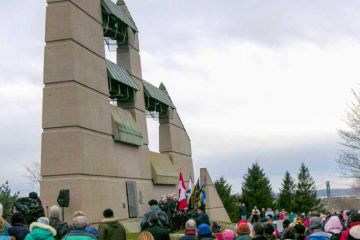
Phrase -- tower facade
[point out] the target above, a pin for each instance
(95, 139)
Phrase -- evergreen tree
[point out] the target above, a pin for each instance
(287, 191)
(231, 201)
(7, 199)
(305, 194)
(256, 188)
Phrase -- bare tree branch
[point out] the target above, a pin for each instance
(33, 173)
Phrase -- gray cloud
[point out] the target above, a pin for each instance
(169, 27)
(175, 24)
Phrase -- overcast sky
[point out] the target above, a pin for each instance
(267, 81)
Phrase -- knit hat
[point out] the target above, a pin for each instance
(204, 229)
(228, 234)
(243, 229)
(333, 225)
(108, 213)
(315, 222)
(354, 232)
(43, 220)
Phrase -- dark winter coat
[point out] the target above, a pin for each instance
(61, 228)
(112, 229)
(158, 232)
(259, 237)
(163, 217)
(202, 218)
(207, 237)
(19, 231)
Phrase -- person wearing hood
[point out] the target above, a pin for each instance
(204, 232)
(315, 230)
(110, 228)
(55, 221)
(41, 230)
(334, 227)
(154, 208)
(354, 220)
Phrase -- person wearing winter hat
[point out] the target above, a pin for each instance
(354, 233)
(228, 234)
(55, 220)
(110, 227)
(315, 230)
(89, 229)
(78, 232)
(334, 227)
(18, 230)
(190, 230)
(243, 231)
(204, 232)
(354, 220)
(41, 230)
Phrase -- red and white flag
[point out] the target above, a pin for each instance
(182, 204)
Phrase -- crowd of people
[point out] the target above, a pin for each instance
(162, 218)
(261, 224)
(53, 227)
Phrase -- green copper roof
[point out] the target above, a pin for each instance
(125, 129)
(112, 8)
(118, 73)
(157, 94)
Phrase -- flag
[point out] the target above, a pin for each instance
(189, 190)
(202, 193)
(182, 203)
(193, 198)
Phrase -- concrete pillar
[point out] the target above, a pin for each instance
(174, 140)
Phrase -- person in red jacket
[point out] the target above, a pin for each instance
(354, 220)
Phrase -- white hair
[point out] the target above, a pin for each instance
(80, 222)
(55, 212)
(190, 224)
